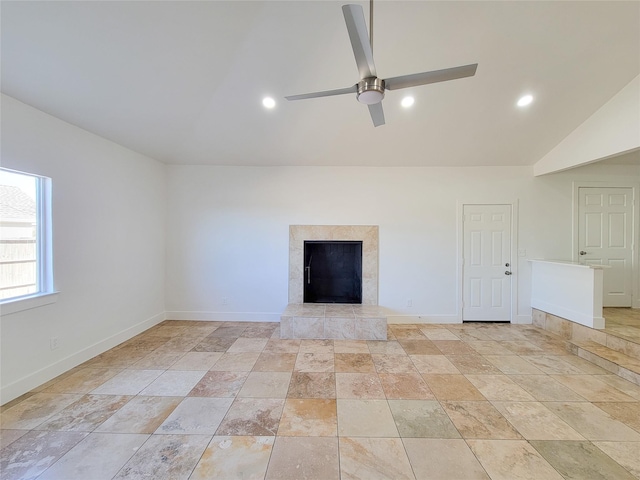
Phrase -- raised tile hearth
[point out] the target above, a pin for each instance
(333, 322)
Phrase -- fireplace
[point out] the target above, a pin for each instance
(358, 316)
(366, 234)
(333, 271)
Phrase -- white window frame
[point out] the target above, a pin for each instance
(45, 293)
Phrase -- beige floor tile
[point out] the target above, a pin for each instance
(513, 365)
(625, 453)
(314, 362)
(350, 346)
(592, 422)
(157, 360)
(196, 416)
(99, 456)
(452, 387)
(454, 347)
(385, 347)
(84, 380)
(522, 347)
(140, 415)
(128, 382)
(553, 364)
(438, 334)
(248, 345)
(489, 347)
(312, 385)
(236, 362)
(433, 364)
(252, 417)
(419, 347)
(354, 363)
(354, 418)
(443, 459)
(9, 436)
(35, 410)
(219, 384)
(371, 458)
(275, 362)
(196, 361)
(627, 413)
(266, 384)
(593, 389)
(580, 460)
(422, 419)
(34, 452)
(359, 386)
(512, 460)
(545, 389)
(309, 417)
(473, 364)
(165, 456)
(406, 386)
(621, 384)
(311, 458)
(536, 422)
(393, 363)
(316, 346)
(174, 383)
(87, 413)
(499, 387)
(234, 457)
(282, 346)
(479, 420)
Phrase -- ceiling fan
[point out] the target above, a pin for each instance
(370, 89)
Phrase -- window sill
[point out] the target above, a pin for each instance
(27, 303)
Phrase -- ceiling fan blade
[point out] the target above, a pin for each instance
(357, 28)
(326, 93)
(434, 76)
(377, 114)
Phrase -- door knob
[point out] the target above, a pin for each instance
(507, 272)
(582, 252)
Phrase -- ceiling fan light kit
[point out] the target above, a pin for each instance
(370, 89)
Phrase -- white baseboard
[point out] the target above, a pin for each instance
(403, 319)
(225, 316)
(33, 380)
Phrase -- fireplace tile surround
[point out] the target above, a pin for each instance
(334, 321)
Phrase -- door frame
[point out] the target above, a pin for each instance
(515, 256)
(635, 235)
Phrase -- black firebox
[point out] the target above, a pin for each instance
(332, 272)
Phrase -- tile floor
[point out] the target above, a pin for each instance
(623, 323)
(205, 400)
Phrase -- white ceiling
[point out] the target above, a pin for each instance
(183, 81)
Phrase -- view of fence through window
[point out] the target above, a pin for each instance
(18, 234)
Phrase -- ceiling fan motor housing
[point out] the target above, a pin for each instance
(370, 90)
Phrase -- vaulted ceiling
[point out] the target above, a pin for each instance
(183, 81)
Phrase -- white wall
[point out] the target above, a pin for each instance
(612, 130)
(227, 234)
(108, 237)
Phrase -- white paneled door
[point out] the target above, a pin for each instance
(605, 233)
(486, 284)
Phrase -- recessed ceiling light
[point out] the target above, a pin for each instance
(407, 102)
(525, 100)
(268, 102)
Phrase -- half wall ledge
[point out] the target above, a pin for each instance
(333, 322)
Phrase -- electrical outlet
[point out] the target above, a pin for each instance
(225, 301)
(53, 343)
(409, 303)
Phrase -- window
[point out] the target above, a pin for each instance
(25, 236)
